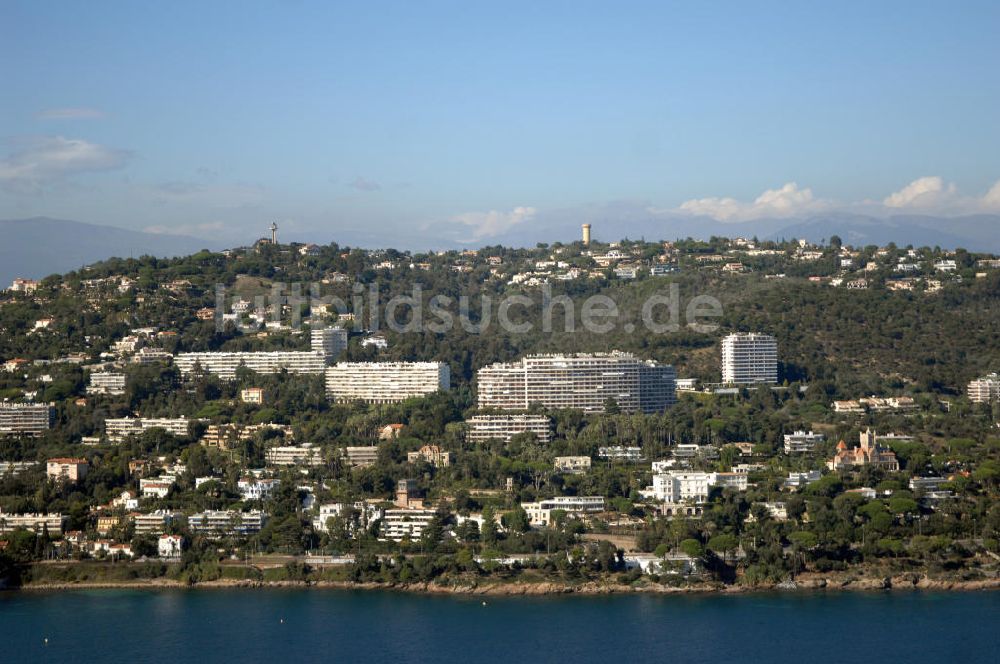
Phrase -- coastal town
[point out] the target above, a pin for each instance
(480, 332)
(227, 417)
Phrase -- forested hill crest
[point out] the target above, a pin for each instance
(37, 247)
(842, 339)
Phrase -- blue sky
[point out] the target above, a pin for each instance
(468, 121)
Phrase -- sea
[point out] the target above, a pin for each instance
(317, 625)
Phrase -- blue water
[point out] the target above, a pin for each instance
(285, 626)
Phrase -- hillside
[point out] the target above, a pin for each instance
(275, 460)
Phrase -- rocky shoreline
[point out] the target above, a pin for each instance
(541, 588)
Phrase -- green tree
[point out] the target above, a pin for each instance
(723, 544)
(516, 520)
(490, 534)
(693, 548)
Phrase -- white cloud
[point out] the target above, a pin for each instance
(70, 114)
(364, 184)
(926, 195)
(925, 192)
(991, 201)
(494, 222)
(41, 161)
(932, 195)
(787, 201)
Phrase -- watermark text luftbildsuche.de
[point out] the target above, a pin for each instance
(663, 312)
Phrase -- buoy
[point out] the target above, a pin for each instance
(46, 641)
(282, 621)
(484, 603)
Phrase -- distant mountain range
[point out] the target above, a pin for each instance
(37, 247)
(979, 232)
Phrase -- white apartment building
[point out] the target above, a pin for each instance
(691, 451)
(375, 341)
(30, 419)
(254, 488)
(736, 481)
(16, 467)
(584, 381)
(127, 344)
(926, 483)
(361, 456)
(889, 403)
(687, 384)
(36, 522)
(749, 358)
(120, 428)
(504, 427)
(432, 454)
(226, 436)
(799, 480)
(400, 524)
(775, 510)
(945, 265)
(294, 455)
(155, 522)
(106, 382)
(169, 546)
(627, 271)
(661, 269)
(985, 389)
(155, 487)
(227, 522)
(125, 499)
(621, 453)
(15, 364)
(540, 513)
(664, 466)
(151, 356)
(20, 285)
(225, 364)
(252, 395)
(678, 486)
(385, 382)
(69, 469)
(113, 550)
(362, 515)
(330, 341)
(801, 442)
(573, 465)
